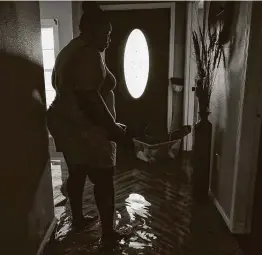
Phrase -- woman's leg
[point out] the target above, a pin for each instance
(75, 188)
(105, 197)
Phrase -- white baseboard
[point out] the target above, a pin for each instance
(47, 236)
(220, 209)
(238, 227)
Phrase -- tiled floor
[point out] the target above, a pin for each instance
(155, 201)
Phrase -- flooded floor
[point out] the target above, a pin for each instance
(155, 202)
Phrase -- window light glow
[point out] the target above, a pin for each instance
(136, 63)
(48, 48)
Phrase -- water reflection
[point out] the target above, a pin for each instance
(136, 217)
(137, 204)
(156, 212)
(156, 205)
(138, 209)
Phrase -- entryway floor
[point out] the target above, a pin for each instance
(155, 201)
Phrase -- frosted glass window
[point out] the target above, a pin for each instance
(47, 38)
(136, 63)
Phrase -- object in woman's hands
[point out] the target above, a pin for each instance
(152, 149)
(128, 140)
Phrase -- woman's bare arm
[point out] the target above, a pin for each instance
(110, 102)
(89, 76)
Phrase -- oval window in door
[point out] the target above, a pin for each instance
(136, 63)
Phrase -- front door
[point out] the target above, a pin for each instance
(149, 110)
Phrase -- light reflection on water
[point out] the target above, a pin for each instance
(136, 217)
(157, 207)
(136, 210)
(137, 204)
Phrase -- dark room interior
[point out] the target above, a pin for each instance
(131, 127)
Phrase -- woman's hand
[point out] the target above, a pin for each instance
(122, 125)
(127, 141)
(118, 133)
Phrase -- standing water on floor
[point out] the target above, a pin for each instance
(155, 204)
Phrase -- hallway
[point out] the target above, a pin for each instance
(155, 202)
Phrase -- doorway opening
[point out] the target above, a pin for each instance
(50, 48)
(155, 95)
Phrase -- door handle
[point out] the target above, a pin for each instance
(193, 89)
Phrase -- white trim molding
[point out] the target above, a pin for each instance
(171, 69)
(189, 96)
(148, 6)
(238, 228)
(220, 209)
(47, 236)
(137, 6)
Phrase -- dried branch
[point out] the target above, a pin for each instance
(208, 54)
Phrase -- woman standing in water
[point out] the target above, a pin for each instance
(82, 119)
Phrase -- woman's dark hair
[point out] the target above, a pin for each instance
(92, 18)
(90, 5)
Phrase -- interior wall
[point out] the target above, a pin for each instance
(62, 11)
(251, 150)
(256, 220)
(254, 239)
(26, 188)
(251, 124)
(226, 109)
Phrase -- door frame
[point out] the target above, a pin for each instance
(189, 74)
(148, 6)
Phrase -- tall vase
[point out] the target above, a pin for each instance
(201, 157)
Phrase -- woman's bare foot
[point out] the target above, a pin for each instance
(84, 222)
(110, 240)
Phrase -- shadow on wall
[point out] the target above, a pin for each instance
(24, 145)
